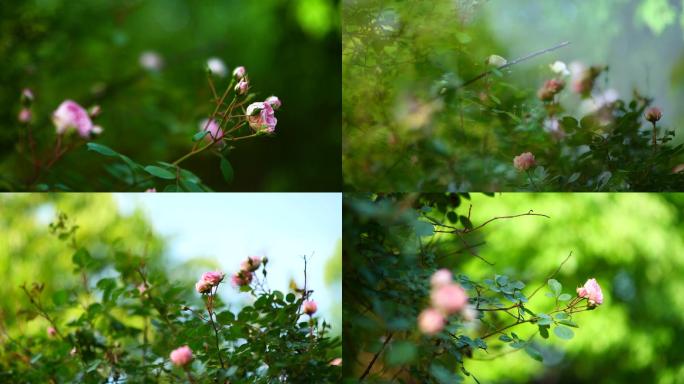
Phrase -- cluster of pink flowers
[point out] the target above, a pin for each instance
(246, 273)
(261, 115)
(70, 116)
(592, 292)
(524, 161)
(208, 281)
(446, 298)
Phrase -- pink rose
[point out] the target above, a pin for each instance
(592, 291)
(431, 321)
(274, 101)
(261, 117)
(213, 278)
(213, 127)
(69, 116)
(239, 72)
(241, 278)
(24, 115)
(449, 299)
(51, 331)
(524, 161)
(181, 356)
(653, 114)
(310, 307)
(203, 286)
(440, 278)
(241, 87)
(251, 264)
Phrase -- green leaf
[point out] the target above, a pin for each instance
(226, 170)
(564, 297)
(443, 375)
(569, 323)
(532, 351)
(544, 319)
(544, 331)
(102, 149)
(452, 217)
(402, 352)
(159, 172)
(199, 135)
(563, 332)
(505, 338)
(466, 222)
(81, 258)
(423, 229)
(555, 286)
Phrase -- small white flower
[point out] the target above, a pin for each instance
(559, 68)
(151, 61)
(217, 67)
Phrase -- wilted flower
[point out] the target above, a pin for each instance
(495, 61)
(592, 291)
(213, 127)
(440, 278)
(213, 278)
(274, 101)
(71, 116)
(653, 114)
(431, 321)
(310, 307)
(239, 72)
(261, 117)
(203, 286)
(524, 161)
(251, 264)
(449, 299)
(181, 356)
(151, 61)
(217, 66)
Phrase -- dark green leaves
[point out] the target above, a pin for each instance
(160, 172)
(226, 170)
(401, 352)
(102, 149)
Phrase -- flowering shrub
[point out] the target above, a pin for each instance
(233, 119)
(430, 104)
(411, 313)
(128, 323)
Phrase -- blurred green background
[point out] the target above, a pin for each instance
(633, 244)
(89, 51)
(400, 133)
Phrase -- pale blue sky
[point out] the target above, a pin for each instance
(230, 226)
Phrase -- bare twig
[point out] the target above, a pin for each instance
(550, 276)
(375, 357)
(514, 62)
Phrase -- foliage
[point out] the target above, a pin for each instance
(424, 111)
(121, 317)
(393, 244)
(144, 64)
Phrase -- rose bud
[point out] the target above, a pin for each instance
(241, 87)
(51, 331)
(214, 129)
(431, 321)
(181, 356)
(653, 114)
(241, 278)
(310, 307)
(239, 72)
(524, 161)
(24, 115)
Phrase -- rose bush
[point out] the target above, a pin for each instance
(412, 314)
(126, 322)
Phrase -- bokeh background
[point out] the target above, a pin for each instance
(183, 236)
(400, 133)
(633, 244)
(89, 51)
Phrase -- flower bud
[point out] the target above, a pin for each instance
(550, 89)
(310, 307)
(51, 331)
(558, 67)
(24, 115)
(495, 61)
(242, 278)
(213, 127)
(217, 67)
(524, 161)
(251, 264)
(653, 114)
(431, 321)
(239, 72)
(241, 87)
(181, 356)
(26, 96)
